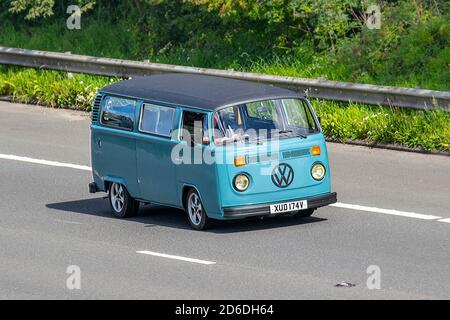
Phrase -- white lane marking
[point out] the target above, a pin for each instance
(45, 162)
(69, 222)
(338, 204)
(169, 256)
(385, 211)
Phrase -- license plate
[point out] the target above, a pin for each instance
(288, 206)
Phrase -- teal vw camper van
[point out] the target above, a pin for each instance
(215, 147)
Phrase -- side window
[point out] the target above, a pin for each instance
(231, 118)
(118, 112)
(194, 127)
(157, 119)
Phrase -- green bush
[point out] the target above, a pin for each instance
(427, 130)
(50, 88)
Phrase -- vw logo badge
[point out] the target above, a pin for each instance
(282, 175)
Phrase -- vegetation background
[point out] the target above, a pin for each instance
(307, 38)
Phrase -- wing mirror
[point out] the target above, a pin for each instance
(262, 110)
(206, 141)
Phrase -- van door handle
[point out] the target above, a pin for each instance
(99, 143)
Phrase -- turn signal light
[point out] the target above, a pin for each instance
(240, 161)
(315, 151)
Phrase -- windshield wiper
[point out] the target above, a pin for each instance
(285, 131)
(297, 134)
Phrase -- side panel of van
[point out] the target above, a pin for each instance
(156, 171)
(154, 144)
(204, 178)
(198, 174)
(114, 156)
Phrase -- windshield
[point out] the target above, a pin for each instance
(263, 120)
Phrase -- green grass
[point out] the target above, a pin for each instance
(325, 68)
(427, 69)
(94, 39)
(51, 88)
(427, 130)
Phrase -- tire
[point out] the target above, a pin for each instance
(122, 204)
(305, 213)
(195, 212)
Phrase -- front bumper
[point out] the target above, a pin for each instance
(264, 209)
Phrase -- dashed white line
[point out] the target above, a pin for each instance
(385, 211)
(45, 162)
(338, 204)
(169, 256)
(69, 222)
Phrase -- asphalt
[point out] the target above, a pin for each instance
(48, 221)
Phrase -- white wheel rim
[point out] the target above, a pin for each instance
(195, 209)
(117, 197)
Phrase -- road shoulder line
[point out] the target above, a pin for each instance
(385, 211)
(169, 256)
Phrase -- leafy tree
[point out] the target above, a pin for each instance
(34, 9)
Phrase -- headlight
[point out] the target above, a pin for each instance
(241, 182)
(318, 171)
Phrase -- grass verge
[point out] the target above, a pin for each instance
(426, 130)
(51, 88)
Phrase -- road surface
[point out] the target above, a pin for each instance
(393, 213)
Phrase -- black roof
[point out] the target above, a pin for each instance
(206, 92)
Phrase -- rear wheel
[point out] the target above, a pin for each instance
(122, 204)
(195, 211)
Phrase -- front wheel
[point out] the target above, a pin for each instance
(195, 211)
(122, 204)
(305, 213)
